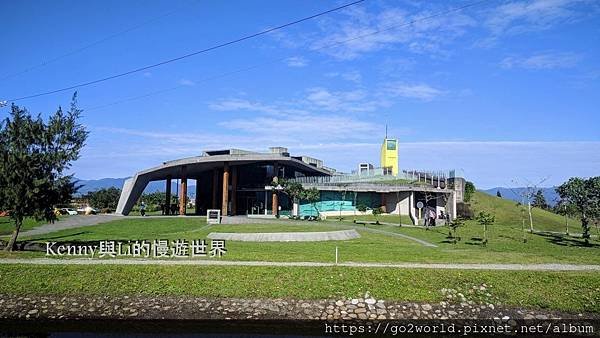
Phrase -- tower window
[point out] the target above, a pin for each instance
(391, 145)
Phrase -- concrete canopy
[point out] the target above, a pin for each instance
(194, 166)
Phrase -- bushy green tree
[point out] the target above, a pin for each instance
(312, 196)
(469, 191)
(583, 196)
(376, 212)
(293, 189)
(34, 156)
(155, 199)
(105, 198)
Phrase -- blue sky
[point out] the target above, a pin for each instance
(503, 91)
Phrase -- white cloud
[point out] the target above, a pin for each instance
(187, 82)
(546, 60)
(296, 61)
(295, 129)
(518, 17)
(415, 91)
(352, 76)
(362, 31)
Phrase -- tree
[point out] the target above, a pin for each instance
(584, 197)
(454, 225)
(469, 191)
(105, 198)
(498, 194)
(527, 195)
(539, 201)
(154, 199)
(293, 189)
(312, 196)
(34, 156)
(376, 212)
(485, 219)
(566, 209)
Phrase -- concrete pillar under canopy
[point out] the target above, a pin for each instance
(168, 197)
(183, 192)
(225, 199)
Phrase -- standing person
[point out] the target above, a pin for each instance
(143, 209)
(432, 216)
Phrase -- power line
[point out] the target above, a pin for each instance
(231, 42)
(335, 44)
(90, 45)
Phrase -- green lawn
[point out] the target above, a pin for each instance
(7, 225)
(505, 244)
(566, 291)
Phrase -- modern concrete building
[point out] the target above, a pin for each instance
(233, 180)
(240, 182)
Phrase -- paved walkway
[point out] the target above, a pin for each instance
(214, 262)
(77, 221)
(340, 235)
(74, 221)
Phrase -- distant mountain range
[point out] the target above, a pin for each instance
(515, 194)
(93, 185)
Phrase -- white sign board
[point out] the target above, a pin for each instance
(420, 205)
(213, 216)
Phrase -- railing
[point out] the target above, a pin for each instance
(412, 177)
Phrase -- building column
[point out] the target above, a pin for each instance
(233, 190)
(183, 192)
(225, 199)
(214, 188)
(197, 198)
(411, 209)
(168, 196)
(274, 200)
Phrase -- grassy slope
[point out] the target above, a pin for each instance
(508, 213)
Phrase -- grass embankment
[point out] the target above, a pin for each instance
(566, 291)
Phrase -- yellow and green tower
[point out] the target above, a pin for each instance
(389, 156)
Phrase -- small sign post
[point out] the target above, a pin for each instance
(213, 216)
(420, 207)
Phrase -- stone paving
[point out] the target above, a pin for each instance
(455, 306)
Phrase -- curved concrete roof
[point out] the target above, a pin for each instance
(134, 186)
